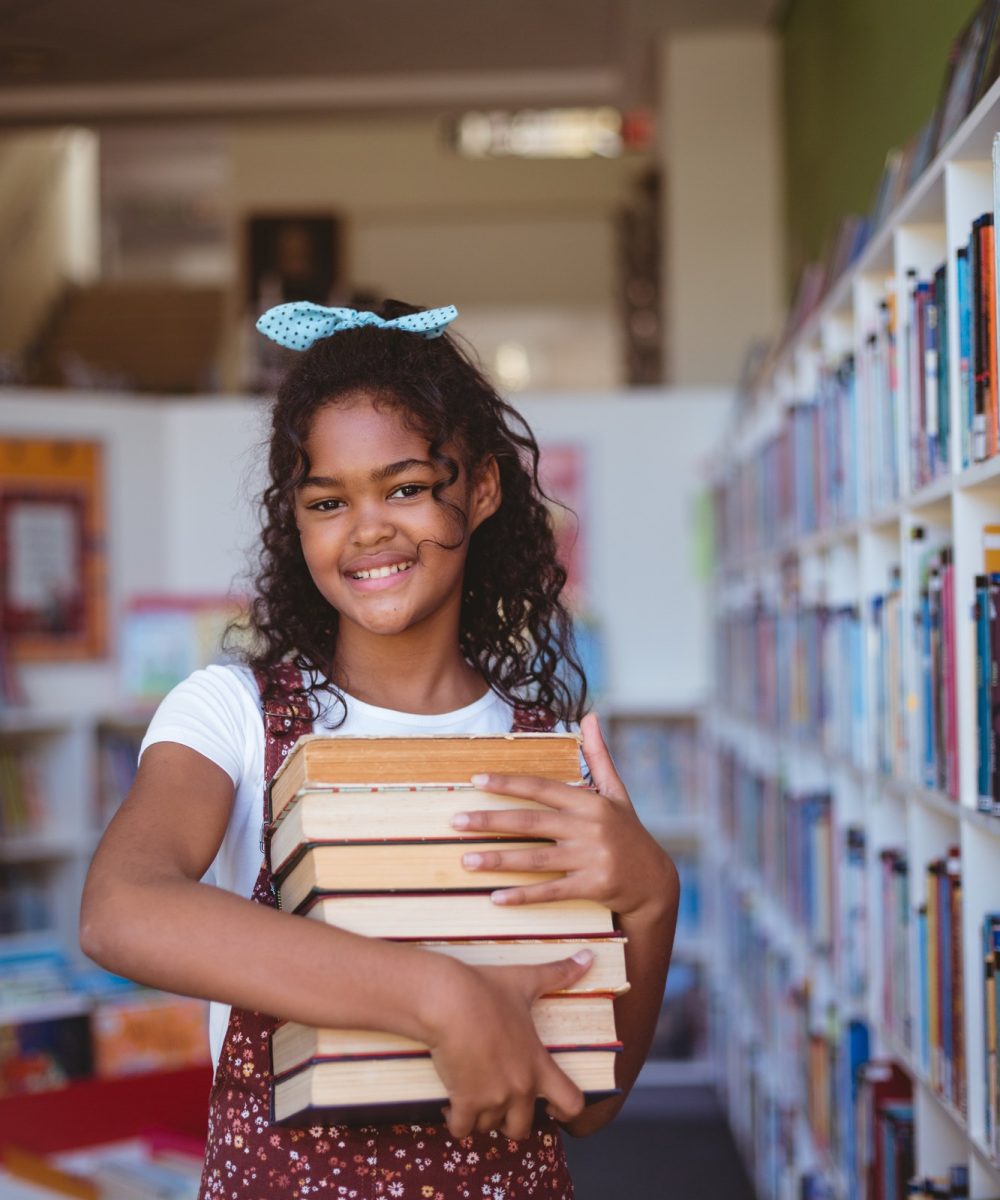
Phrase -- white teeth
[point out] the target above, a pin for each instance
(382, 572)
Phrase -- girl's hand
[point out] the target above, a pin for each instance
(599, 843)
(488, 1054)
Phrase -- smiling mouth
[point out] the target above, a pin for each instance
(383, 572)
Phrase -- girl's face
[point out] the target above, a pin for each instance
(372, 533)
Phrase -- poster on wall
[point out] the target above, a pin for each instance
(165, 638)
(52, 553)
(562, 471)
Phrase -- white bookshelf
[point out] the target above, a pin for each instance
(52, 854)
(848, 564)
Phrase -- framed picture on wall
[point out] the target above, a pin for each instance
(294, 256)
(290, 256)
(52, 557)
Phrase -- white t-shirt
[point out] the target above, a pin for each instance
(217, 712)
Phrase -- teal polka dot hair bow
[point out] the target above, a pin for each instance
(299, 324)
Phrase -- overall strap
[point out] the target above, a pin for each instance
(287, 717)
(533, 718)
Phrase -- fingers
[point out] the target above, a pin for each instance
(460, 1119)
(526, 822)
(595, 751)
(519, 1119)
(565, 1100)
(530, 787)
(537, 893)
(541, 856)
(560, 973)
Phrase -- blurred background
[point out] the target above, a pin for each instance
(620, 197)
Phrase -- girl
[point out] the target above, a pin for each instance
(408, 584)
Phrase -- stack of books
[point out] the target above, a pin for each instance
(361, 838)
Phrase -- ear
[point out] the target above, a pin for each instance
(485, 494)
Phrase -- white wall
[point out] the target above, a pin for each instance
(721, 140)
(183, 474)
(646, 453)
(48, 226)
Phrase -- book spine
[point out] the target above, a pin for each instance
(951, 775)
(990, 328)
(958, 1090)
(981, 616)
(964, 343)
(994, 617)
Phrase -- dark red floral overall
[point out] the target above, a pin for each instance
(246, 1156)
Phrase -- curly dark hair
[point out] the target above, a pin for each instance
(514, 627)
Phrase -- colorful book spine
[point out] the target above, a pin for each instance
(991, 1028)
(966, 381)
(942, 1015)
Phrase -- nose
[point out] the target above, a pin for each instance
(372, 524)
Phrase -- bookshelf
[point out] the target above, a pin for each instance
(659, 750)
(61, 1019)
(854, 861)
(61, 779)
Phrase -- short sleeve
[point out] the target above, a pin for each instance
(214, 711)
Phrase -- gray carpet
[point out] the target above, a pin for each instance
(666, 1144)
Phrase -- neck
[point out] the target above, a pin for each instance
(405, 673)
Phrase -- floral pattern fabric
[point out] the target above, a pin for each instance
(247, 1156)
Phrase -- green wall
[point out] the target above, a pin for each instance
(860, 76)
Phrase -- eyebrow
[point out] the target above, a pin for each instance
(378, 475)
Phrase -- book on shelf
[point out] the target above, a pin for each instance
(136, 1029)
(37, 1054)
(986, 616)
(895, 905)
(884, 1095)
(156, 1166)
(935, 704)
(661, 753)
(354, 845)
(990, 944)
(977, 317)
(942, 1015)
(969, 62)
(852, 924)
(940, 1187)
(23, 809)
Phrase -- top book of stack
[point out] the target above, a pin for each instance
(322, 761)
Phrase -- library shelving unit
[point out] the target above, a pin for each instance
(851, 739)
(660, 752)
(61, 779)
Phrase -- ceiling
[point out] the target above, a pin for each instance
(66, 59)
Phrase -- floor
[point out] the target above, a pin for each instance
(669, 1144)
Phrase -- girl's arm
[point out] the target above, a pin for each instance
(607, 855)
(145, 915)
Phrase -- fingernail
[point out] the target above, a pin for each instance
(498, 897)
(472, 860)
(460, 821)
(480, 780)
(583, 957)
